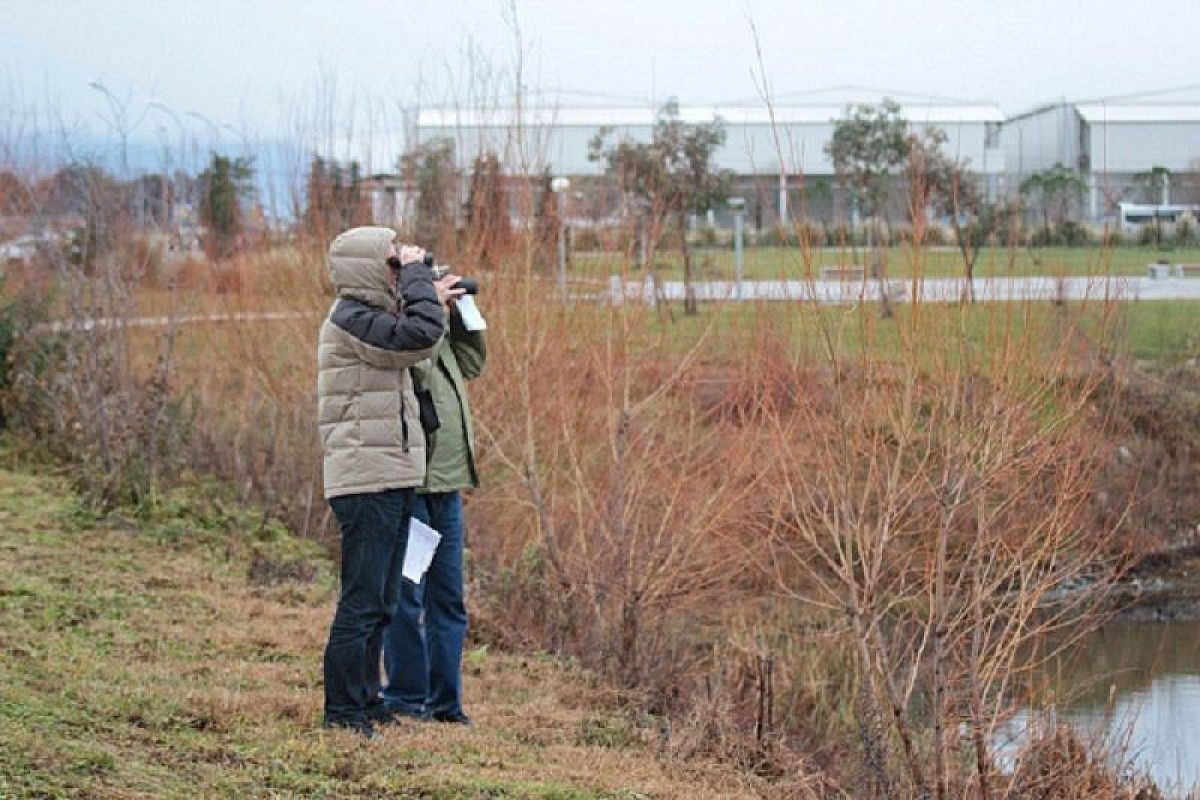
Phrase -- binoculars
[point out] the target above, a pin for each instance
(468, 285)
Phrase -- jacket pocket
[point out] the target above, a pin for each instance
(403, 427)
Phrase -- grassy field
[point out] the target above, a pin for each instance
(179, 656)
(786, 262)
(1162, 332)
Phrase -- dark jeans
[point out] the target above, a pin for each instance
(374, 529)
(422, 647)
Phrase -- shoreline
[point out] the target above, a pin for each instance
(1162, 587)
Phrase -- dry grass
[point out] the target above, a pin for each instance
(142, 661)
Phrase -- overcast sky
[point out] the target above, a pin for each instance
(244, 63)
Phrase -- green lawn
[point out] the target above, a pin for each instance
(1164, 332)
(787, 262)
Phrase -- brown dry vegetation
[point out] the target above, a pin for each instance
(785, 533)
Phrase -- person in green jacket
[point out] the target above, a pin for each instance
(423, 644)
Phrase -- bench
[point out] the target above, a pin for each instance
(1187, 270)
(843, 273)
(1158, 270)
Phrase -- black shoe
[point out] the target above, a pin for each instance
(452, 717)
(362, 727)
(390, 715)
(380, 714)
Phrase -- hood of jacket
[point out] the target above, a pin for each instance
(357, 261)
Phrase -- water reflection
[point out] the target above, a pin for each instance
(1136, 684)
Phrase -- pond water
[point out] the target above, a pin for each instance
(1137, 685)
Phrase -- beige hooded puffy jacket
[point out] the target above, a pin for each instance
(366, 411)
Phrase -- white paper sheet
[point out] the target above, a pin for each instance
(422, 542)
(469, 312)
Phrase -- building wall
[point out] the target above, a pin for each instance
(750, 149)
(1107, 154)
(1038, 140)
(1138, 147)
(757, 151)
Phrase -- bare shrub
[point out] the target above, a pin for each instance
(91, 395)
(1059, 764)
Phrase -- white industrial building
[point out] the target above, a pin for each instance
(1108, 144)
(772, 151)
(776, 151)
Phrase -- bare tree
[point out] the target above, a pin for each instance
(951, 189)
(869, 145)
(673, 174)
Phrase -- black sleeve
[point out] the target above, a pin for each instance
(418, 326)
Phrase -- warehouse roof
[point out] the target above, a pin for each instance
(593, 117)
(1109, 113)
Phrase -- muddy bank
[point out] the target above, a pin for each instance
(1152, 480)
(1152, 474)
(1161, 587)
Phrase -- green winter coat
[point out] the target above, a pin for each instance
(459, 357)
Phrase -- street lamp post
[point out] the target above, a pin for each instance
(738, 206)
(559, 186)
(242, 137)
(158, 105)
(120, 121)
(212, 126)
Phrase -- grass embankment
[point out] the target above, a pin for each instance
(771, 263)
(179, 656)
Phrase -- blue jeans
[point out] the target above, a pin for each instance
(374, 528)
(422, 647)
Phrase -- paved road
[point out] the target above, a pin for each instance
(929, 290)
(85, 325)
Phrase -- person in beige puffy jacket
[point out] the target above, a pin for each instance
(388, 316)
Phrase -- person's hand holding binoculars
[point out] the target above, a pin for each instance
(447, 288)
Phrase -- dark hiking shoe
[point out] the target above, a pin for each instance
(390, 715)
(380, 715)
(362, 727)
(451, 717)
